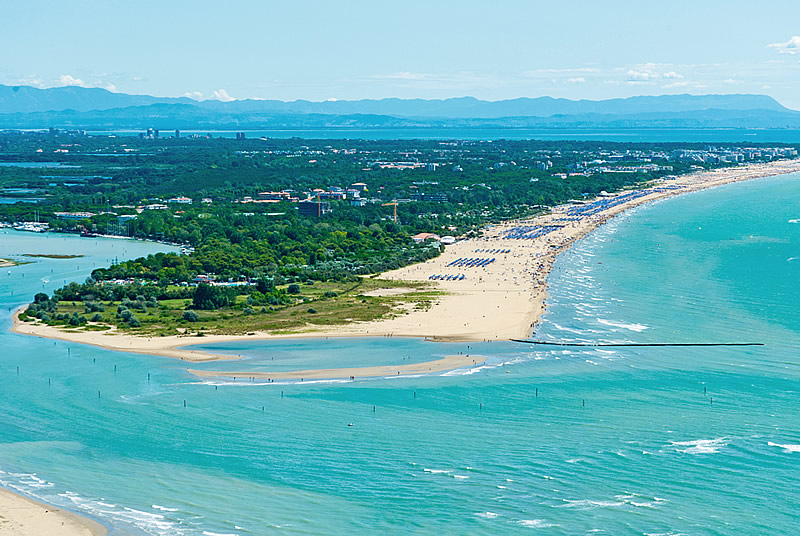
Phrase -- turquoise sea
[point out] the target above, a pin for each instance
(668, 441)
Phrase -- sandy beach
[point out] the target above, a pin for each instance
(22, 516)
(6, 263)
(502, 300)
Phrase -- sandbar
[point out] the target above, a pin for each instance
(447, 363)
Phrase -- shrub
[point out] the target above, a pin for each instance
(134, 322)
(294, 288)
(312, 310)
(207, 297)
(329, 294)
(248, 310)
(191, 316)
(97, 317)
(91, 307)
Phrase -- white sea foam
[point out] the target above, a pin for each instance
(791, 259)
(587, 504)
(209, 533)
(486, 515)
(569, 330)
(460, 477)
(164, 508)
(701, 446)
(437, 471)
(786, 448)
(794, 221)
(632, 327)
(641, 501)
(535, 523)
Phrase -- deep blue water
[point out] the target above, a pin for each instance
(556, 441)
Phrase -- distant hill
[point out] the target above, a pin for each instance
(25, 99)
(471, 108)
(93, 108)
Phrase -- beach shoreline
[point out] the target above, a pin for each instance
(22, 515)
(500, 301)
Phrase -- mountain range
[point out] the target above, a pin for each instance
(95, 108)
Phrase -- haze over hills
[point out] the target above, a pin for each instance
(29, 107)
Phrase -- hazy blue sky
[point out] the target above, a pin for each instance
(318, 50)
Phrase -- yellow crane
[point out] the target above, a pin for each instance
(394, 204)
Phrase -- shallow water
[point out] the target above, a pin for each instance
(559, 441)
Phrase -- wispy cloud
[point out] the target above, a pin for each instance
(218, 94)
(792, 46)
(569, 70)
(576, 80)
(650, 72)
(222, 95)
(69, 80)
(460, 77)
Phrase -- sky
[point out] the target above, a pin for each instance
(319, 50)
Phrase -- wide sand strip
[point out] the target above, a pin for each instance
(503, 300)
(20, 516)
(451, 362)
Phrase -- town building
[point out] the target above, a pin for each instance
(313, 208)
